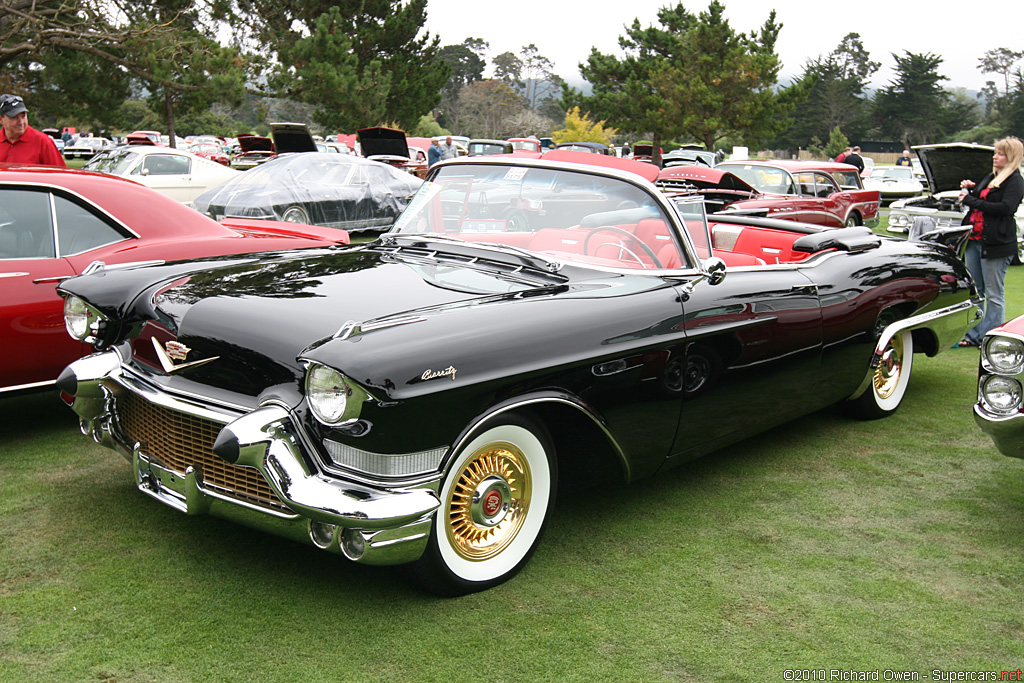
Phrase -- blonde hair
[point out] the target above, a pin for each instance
(1013, 149)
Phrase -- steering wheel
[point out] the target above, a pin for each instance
(622, 246)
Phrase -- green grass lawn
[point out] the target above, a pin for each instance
(824, 544)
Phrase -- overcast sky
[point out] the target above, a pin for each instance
(565, 32)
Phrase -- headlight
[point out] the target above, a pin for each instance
(332, 397)
(899, 219)
(1004, 355)
(81, 320)
(1001, 394)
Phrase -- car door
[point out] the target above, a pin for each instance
(753, 349)
(44, 239)
(168, 173)
(834, 202)
(31, 314)
(809, 207)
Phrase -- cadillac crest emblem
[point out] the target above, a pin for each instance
(174, 352)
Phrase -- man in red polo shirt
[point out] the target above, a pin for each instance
(20, 142)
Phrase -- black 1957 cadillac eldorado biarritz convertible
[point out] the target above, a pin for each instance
(526, 324)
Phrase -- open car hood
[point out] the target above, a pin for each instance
(703, 178)
(292, 137)
(255, 143)
(381, 141)
(946, 165)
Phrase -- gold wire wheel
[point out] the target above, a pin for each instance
(890, 368)
(489, 502)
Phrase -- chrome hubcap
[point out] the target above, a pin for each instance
(887, 374)
(490, 502)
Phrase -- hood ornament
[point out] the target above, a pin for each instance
(176, 351)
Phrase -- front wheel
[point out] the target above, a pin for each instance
(495, 501)
(888, 381)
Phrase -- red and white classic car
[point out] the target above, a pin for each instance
(821, 193)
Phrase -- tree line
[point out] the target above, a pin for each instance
(222, 66)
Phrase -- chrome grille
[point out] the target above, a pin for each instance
(179, 441)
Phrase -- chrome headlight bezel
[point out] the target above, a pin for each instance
(1000, 394)
(82, 321)
(332, 397)
(1003, 355)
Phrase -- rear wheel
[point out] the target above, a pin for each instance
(495, 501)
(888, 381)
(853, 220)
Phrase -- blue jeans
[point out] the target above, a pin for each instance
(989, 275)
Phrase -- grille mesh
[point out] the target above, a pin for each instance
(179, 440)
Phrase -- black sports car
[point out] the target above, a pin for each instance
(317, 188)
(421, 398)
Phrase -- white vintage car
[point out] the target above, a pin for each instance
(893, 182)
(176, 173)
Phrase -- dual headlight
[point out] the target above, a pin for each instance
(332, 397)
(82, 321)
(899, 220)
(1003, 358)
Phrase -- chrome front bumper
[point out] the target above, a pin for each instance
(366, 524)
(1006, 431)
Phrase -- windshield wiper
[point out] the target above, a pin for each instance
(494, 251)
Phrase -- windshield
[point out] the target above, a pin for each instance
(893, 172)
(762, 178)
(477, 148)
(114, 162)
(204, 148)
(569, 215)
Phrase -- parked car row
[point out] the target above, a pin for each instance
(821, 193)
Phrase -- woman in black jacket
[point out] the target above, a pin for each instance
(991, 205)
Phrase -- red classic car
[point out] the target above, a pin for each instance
(822, 193)
(55, 223)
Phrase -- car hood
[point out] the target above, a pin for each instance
(259, 316)
(946, 165)
(255, 143)
(703, 178)
(292, 137)
(380, 141)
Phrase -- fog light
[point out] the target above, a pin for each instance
(322, 534)
(1001, 394)
(352, 544)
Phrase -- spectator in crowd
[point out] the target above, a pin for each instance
(842, 155)
(992, 243)
(854, 159)
(20, 142)
(433, 153)
(448, 149)
(905, 159)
